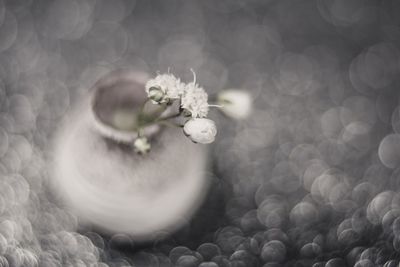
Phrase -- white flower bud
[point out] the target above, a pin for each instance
(235, 103)
(142, 145)
(200, 130)
(156, 94)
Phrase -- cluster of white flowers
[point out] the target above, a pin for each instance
(166, 88)
(195, 101)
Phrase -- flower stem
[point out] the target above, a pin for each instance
(169, 123)
(145, 118)
(163, 120)
(141, 111)
(216, 106)
(169, 117)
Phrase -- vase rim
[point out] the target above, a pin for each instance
(119, 89)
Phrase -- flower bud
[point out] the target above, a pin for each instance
(235, 103)
(156, 94)
(142, 145)
(200, 130)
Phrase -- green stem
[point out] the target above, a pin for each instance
(144, 118)
(159, 110)
(142, 107)
(168, 123)
(169, 117)
(215, 106)
(163, 120)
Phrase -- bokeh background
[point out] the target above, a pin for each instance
(312, 178)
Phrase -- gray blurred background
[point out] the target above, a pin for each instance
(310, 179)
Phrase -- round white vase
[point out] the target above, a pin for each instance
(106, 184)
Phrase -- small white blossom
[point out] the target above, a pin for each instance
(200, 130)
(195, 100)
(164, 87)
(142, 145)
(235, 103)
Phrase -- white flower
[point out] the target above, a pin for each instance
(142, 145)
(195, 100)
(235, 103)
(200, 130)
(164, 87)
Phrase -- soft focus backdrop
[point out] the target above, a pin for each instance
(311, 179)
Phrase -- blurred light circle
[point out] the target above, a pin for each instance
(395, 120)
(3, 142)
(310, 250)
(389, 151)
(358, 109)
(208, 264)
(364, 263)
(331, 122)
(363, 193)
(378, 206)
(107, 42)
(182, 53)
(61, 18)
(296, 75)
(208, 251)
(388, 220)
(115, 11)
(283, 178)
(335, 262)
(315, 169)
(187, 261)
(8, 31)
(391, 263)
(301, 156)
(273, 251)
(304, 213)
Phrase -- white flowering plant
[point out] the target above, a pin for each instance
(192, 102)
